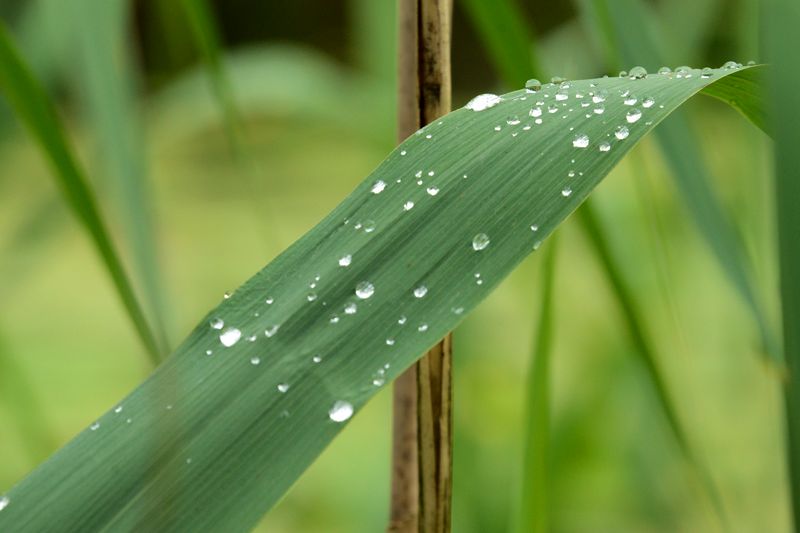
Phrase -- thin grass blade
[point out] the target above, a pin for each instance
(34, 108)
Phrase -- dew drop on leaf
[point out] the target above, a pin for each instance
(566, 192)
(637, 73)
(533, 85)
(272, 330)
(216, 323)
(230, 336)
(483, 101)
(4, 501)
(351, 308)
(340, 411)
(604, 146)
(408, 206)
(345, 260)
(580, 141)
(365, 289)
(633, 115)
(378, 187)
(621, 132)
(480, 242)
(255, 360)
(420, 291)
(283, 387)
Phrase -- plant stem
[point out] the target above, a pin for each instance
(422, 429)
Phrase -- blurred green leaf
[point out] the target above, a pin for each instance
(226, 425)
(782, 41)
(33, 106)
(536, 487)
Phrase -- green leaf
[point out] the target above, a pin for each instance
(32, 105)
(536, 486)
(211, 442)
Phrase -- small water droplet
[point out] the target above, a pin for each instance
(351, 308)
(535, 112)
(457, 310)
(533, 85)
(512, 120)
(683, 72)
(251, 338)
(483, 101)
(731, 65)
(621, 132)
(216, 323)
(390, 342)
(637, 73)
(706, 72)
(209, 352)
(433, 190)
(580, 141)
(365, 289)
(665, 70)
(188, 460)
(408, 205)
(283, 387)
(429, 136)
(4, 501)
(604, 146)
(316, 359)
(623, 74)
(552, 108)
(129, 420)
(378, 187)
(311, 296)
(340, 411)
(269, 300)
(118, 409)
(402, 320)
(369, 226)
(226, 295)
(403, 152)
(480, 242)
(420, 291)
(648, 102)
(255, 360)
(345, 260)
(334, 319)
(272, 330)
(95, 426)
(422, 327)
(600, 96)
(561, 95)
(498, 128)
(534, 228)
(230, 337)
(633, 115)
(566, 192)
(599, 109)
(631, 99)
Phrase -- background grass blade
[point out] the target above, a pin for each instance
(782, 43)
(629, 30)
(534, 507)
(107, 87)
(227, 424)
(36, 111)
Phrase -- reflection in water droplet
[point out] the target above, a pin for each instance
(633, 115)
(230, 337)
(483, 101)
(340, 411)
(580, 141)
(345, 260)
(216, 323)
(379, 186)
(421, 291)
(365, 289)
(480, 242)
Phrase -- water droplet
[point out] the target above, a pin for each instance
(272, 330)
(389, 342)
(95, 426)
(316, 359)
(334, 319)
(429, 136)
(534, 228)
(379, 186)
(128, 420)
(369, 226)
(637, 73)
(535, 112)
(497, 128)
(209, 352)
(512, 120)
(566, 192)
(408, 205)
(633, 115)
(552, 108)
(683, 72)
(188, 460)
(433, 190)
(311, 296)
(340, 411)
(623, 74)
(4, 501)
(365, 289)
(283, 387)
(422, 327)
(580, 141)
(630, 99)
(621, 132)
(420, 291)
(664, 70)
(648, 102)
(483, 101)
(118, 409)
(706, 73)
(562, 94)
(251, 338)
(269, 300)
(216, 323)
(226, 295)
(351, 308)
(600, 96)
(480, 242)
(402, 320)
(403, 152)
(533, 85)
(731, 65)
(230, 337)
(571, 173)
(604, 146)
(255, 360)
(457, 310)
(599, 109)
(345, 260)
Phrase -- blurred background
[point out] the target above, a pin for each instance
(206, 174)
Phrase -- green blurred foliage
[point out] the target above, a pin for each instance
(314, 84)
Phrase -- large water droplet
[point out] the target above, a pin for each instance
(533, 85)
(379, 186)
(230, 337)
(621, 132)
(480, 242)
(637, 73)
(340, 411)
(706, 72)
(483, 101)
(421, 291)
(216, 323)
(365, 289)
(580, 141)
(345, 260)
(633, 115)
